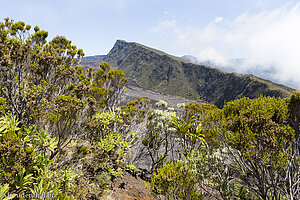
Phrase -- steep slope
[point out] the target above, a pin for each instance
(92, 61)
(133, 90)
(156, 70)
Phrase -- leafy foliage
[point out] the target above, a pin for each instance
(63, 133)
(54, 102)
(258, 140)
(251, 151)
(25, 161)
(175, 181)
(159, 140)
(4, 193)
(43, 84)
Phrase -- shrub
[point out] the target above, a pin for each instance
(175, 180)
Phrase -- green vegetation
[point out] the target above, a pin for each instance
(51, 109)
(175, 180)
(251, 151)
(63, 134)
(153, 69)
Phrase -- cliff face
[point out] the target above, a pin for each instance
(156, 70)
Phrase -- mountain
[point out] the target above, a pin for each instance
(241, 65)
(133, 90)
(92, 61)
(156, 70)
(96, 57)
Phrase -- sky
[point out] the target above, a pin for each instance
(261, 37)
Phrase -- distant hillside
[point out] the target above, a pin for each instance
(133, 90)
(156, 70)
(92, 61)
(96, 57)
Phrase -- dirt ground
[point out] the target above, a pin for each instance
(129, 187)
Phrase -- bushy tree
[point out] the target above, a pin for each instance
(43, 84)
(57, 104)
(159, 139)
(258, 141)
(294, 112)
(251, 151)
(175, 181)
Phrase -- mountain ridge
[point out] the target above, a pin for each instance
(159, 71)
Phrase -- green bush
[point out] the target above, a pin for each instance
(175, 181)
(258, 139)
(26, 167)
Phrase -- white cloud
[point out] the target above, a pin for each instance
(218, 19)
(269, 39)
(211, 54)
(165, 25)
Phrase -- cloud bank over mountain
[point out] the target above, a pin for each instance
(267, 41)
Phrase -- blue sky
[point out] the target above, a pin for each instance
(265, 33)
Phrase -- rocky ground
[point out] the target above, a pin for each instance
(129, 187)
(134, 91)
